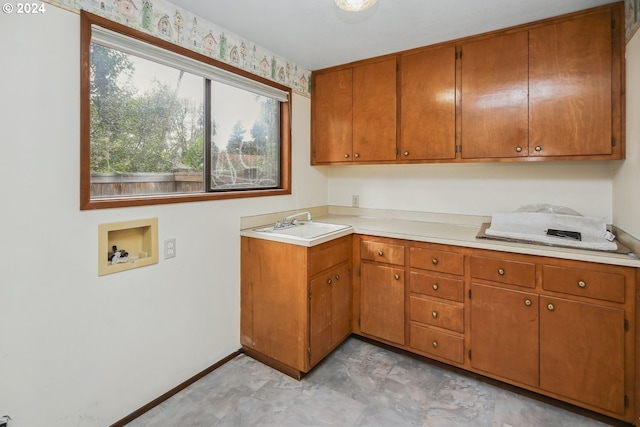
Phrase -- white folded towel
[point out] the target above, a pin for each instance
(533, 226)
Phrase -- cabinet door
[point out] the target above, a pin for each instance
(332, 117)
(582, 352)
(504, 333)
(374, 111)
(494, 121)
(428, 105)
(382, 302)
(570, 87)
(341, 304)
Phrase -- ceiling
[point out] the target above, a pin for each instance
(317, 34)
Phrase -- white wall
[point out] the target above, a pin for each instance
(77, 349)
(626, 190)
(476, 189)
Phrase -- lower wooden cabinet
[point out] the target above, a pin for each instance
(295, 301)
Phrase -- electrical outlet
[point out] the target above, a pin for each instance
(355, 201)
(169, 248)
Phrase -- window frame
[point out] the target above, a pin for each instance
(87, 203)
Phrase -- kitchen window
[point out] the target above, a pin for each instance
(163, 124)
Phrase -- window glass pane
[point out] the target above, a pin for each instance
(147, 128)
(245, 136)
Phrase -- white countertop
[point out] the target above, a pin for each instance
(450, 234)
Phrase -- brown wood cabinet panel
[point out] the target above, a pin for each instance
(332, 118)
(570, 80)
(374, 111)
(437, 343)
(382, 252)
(382, 302)
(504, 271)
(436, 286)
(494, 100)
(437, 260)
(330, 311)
(504, 333)
(582, 352)
(586, 283)
(437, 313)
(428, 105)
(328, 255)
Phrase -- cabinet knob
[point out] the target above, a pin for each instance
(538, 148)
(356, 155)
(337, 277)
(582, 284)
(435, 344)
(380, 253)
(434, 314)
(527, 302)
(434, 261)
(435, 286)
(518, 149)
(346, 156)
(501, 271)
(396, 276)
(406, 153)
(329, 281)
(550, 307)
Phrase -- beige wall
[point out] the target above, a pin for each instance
(626, 182)
(81, 350)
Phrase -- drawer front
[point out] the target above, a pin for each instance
(437, 286)
(382, 252)
(437, 343)
(441, 314)
(329, 255)
(584, 283)
(440, 261)
(504, 271)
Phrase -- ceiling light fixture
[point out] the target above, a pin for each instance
(355, 5)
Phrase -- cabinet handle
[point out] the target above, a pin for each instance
(396, 276)
(337, 277)
(435, 344)
(550, 307)
(518, 149)
(582, 284)
(527, 302)
(538, 148)
(501, 271)
(380, 253)
(346, 156)
(329, 281)
(434, 314)
(435, 286)
(406, 153)
(434, 261)
(356, 155)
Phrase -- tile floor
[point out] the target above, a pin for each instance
(359, 384)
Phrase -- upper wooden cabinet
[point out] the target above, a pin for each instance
(354, 114)
(548, 90)
(494, 101)
(427, 105)
(570, 87)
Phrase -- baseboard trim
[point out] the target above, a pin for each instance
(155, 402)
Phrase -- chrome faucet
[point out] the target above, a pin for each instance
(289, 221)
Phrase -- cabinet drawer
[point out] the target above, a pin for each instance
(433, 260)
(437, 343)
(585, 283)
(437, 286)
(382, 252)
(329, 254)
(441, 314)
(504, 271)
